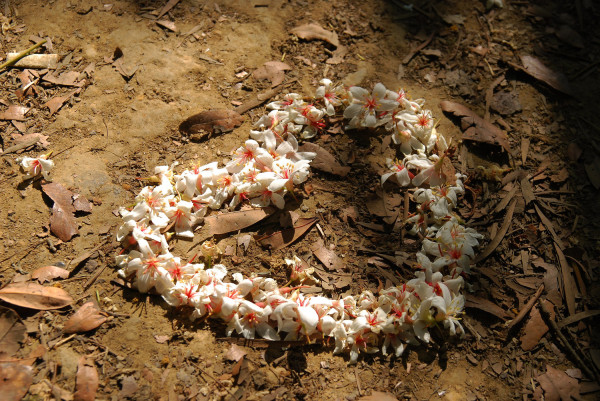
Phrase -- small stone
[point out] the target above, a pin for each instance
(472, 360)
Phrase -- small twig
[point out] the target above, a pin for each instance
(357, 382)
(423, 45)
(570, 350)
(64, 340)
(525, 311)
(21, 55)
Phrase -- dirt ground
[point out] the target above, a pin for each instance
(123, 121)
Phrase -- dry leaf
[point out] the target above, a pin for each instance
(535, 328)
(56, 103)
(233, 221)
(87, 381)
(476, 128)
(42, 139)
(62, 220)
(161, 339)
(378, 396)
(48, 273)
(570, 36)
(87, 318)
(558, 386)
(167, 7)
(35, 296)
(81, 204)
(279, 239)
(243, 241)
(486, 306)
(126, 72)
(328, 257)
(324, 160)
(211, 121)
(274, 71)
(170, 25)
(129, 387)
(235, 353)
(316, 31)
(69, 78)
(15, 380)
(14, 112)
(539, 71)
(12, 331)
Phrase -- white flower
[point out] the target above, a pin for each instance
(34, 166)
(399, 172)
(365, 106)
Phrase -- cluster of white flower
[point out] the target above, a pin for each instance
(262, 172)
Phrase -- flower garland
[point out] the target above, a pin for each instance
(262, 172)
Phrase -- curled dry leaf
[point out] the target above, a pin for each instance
(280, 239)
(87, 381)
(274, 71)
(316, 31)
(49, 273)
(35, 296)
(87, 318)
(476, 128)
(12, 331)
(15, 380)
(209, 122)
(324, 160)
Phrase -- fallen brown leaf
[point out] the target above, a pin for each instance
(327, 257)
(233, 221)
(535, 328)
(48, 273)
(558, 386)
(62, 220)
(35, 296)
(14, 112)
(476, 128)
(486, 306)
(87, 381)
(87, 318)
(557, 80)
(324, 160)
(279, 239)
(235, 353)
(316, 31)
(170, 25)
(211, 121)
(12, 331)
(70, 78)
(57, 102)
(15, 380)
(274, 71)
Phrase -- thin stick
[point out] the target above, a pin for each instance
(554, 327)
(525, 311)
(21, 55)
